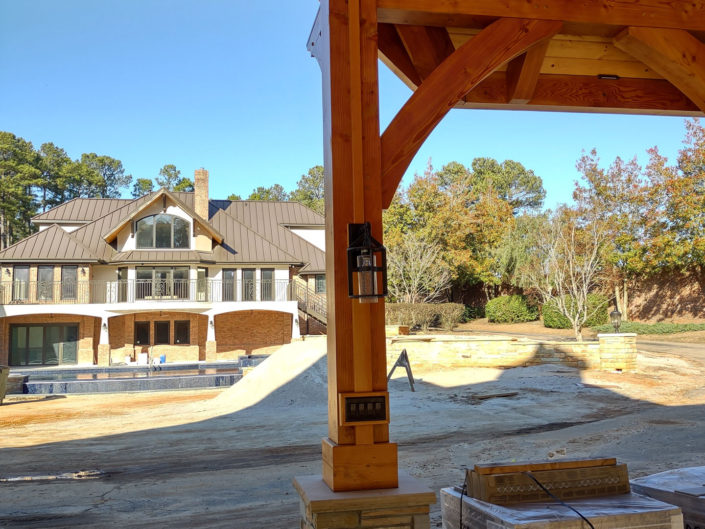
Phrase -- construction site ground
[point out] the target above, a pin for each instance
(226, 458)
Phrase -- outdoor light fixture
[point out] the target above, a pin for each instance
(616, 319)
(363, 255)
(211, 323)
(105, 326)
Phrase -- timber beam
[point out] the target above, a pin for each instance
(586, 93)
(523, 73)
(427, 47)
(682, 14)
(673, 53)
(456, 76)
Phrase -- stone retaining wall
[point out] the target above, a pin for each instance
(612, 352)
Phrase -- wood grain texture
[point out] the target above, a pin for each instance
(427, 46)
(570, 93)
(393, 54)
(457, 75)
(685, 14)
(523, 73)
(673, 53)
(524, 466)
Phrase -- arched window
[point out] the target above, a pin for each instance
(162, 231)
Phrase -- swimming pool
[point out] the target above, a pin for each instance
(115, 379)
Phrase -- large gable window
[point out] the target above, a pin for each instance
(162, 231)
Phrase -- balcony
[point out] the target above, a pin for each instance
(141, 290)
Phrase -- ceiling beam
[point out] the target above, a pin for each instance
(523, 73)
(456, 76)
(673, 53)
(683, 14)
(427, 47)
(583, 93)
(394, 55)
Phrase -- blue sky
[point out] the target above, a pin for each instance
(228, 85)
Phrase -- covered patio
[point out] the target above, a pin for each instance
(644, 57)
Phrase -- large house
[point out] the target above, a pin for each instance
(171, 273)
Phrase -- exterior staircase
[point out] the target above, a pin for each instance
(312, 304)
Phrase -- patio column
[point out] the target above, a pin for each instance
(104, 343)
(344, 41)
(211, 345)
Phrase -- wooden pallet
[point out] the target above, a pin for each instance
(508, 483)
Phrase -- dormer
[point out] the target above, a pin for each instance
(164, 223)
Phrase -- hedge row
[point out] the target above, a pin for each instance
(597, 305)
(424, 315)
(510, 309)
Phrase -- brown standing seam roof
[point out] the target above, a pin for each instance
(269, 218)
(253, 231)
(81, 210)
(52, 244)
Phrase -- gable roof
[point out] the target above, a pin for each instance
(247, 232)
(52, 244)
(153, 198)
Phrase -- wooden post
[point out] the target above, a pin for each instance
(344, 40)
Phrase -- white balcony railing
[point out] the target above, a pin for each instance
(141, 290)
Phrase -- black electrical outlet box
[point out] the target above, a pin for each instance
(370, 408)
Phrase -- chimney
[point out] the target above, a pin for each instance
(200, 186)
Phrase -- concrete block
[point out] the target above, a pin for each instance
(387, 520)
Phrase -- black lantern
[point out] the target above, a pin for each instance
(366, 258)
(616, 319)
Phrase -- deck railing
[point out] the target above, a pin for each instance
(142, 290)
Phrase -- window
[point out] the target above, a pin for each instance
(161, 332)
(162, 231)
(69, 282)
(182, 332)
(248, 284)
(320, 284)
(20, 282)
(228, 284)
(43, 344)
(45, 283)
(141, 333)
(267, 285)
(161, 282)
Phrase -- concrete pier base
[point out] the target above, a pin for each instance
(404, 507)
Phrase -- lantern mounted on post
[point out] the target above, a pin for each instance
(616, 319)
(366, 258)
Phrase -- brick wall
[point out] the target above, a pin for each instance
(88, 329)
(310, 325)
(243, 332)
(672, 297)
(121, 330)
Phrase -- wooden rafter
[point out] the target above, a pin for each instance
(394, 55)
(584, 93)
(427, 47)
(674, 53)
(523, 73)
(456, 76)
(682, 14)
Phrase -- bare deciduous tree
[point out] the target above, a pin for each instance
(567, 265)
(416, 272)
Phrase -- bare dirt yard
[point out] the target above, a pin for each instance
(225, 458)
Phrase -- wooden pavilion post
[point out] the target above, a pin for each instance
(344, 41)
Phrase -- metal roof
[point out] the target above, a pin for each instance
(81, 210)
(52, 244)
(252, 231)
(269, 220)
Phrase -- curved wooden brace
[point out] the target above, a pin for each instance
(672, 53)
(498, 43)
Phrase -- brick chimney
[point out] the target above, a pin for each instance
(200, 186)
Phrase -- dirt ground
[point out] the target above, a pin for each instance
(225, 458)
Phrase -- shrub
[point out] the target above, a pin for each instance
(554, 318)
(473, 312)
(450, 314)
(510, 309)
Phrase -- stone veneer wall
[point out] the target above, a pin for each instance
(88, 332)
(611, 352)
